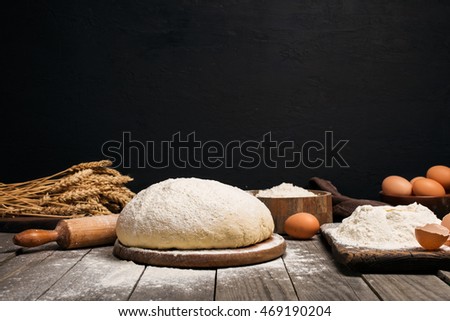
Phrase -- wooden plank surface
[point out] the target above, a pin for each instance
(173, 284)
(6, 243)
(43, 269)
(408, 287)
(444, 275)
(266, 281)
(7, 248)
(6, 256)
(97, 276)
(12, 271)
(317, 277)
(307, 272)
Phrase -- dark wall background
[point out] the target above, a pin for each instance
(79, 73)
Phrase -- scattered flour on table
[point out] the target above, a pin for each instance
(285, 190)
(383, 227)
(302, 263)
(181, 281)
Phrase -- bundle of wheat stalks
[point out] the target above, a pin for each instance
(85, 189)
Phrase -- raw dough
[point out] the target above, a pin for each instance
(192, 213)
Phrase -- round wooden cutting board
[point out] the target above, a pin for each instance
(267, 250)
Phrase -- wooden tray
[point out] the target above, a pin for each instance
(22, 223)
(267, 250)
(387, 261)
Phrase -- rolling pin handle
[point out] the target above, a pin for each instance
(33, 237)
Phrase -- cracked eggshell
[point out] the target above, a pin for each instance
(446, 222)
(431, 236)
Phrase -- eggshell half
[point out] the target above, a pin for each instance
(446, 222)
(431, 236)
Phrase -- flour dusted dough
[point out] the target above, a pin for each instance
(192, 213)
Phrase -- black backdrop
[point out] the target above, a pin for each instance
(77, 74)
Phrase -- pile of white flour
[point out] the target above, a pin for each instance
(383, 227)
(285, 190)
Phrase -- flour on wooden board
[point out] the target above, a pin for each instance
(383, 227)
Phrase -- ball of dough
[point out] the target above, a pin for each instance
(192, 213)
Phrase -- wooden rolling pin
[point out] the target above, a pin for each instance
(73, 233)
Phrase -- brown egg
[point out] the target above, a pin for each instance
(440, 174)
(415, 179)
(396, 185)
(431, 236)
(427, 187)
(446, 222)
(301, 225)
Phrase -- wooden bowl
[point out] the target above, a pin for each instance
(440, 205)
(283, 207)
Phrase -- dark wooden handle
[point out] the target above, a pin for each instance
(30, 238)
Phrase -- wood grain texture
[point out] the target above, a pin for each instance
(307, 271)
(266, 281)
(35, 273)
(386, 261)
(444, 275)
(261, 252)
(87, 231)
(172, 284)
(317, 277)
(283, 207)
(408, 287)
(7, 247)
(6, 256)
(6, 243)
(98, 276)
(11, 271)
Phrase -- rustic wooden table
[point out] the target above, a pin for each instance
(306, 272)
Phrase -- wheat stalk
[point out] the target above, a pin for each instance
(97, 179)
(70, 180)
(78, 193)
(107, 171)
(85, 189)
(90, 165)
